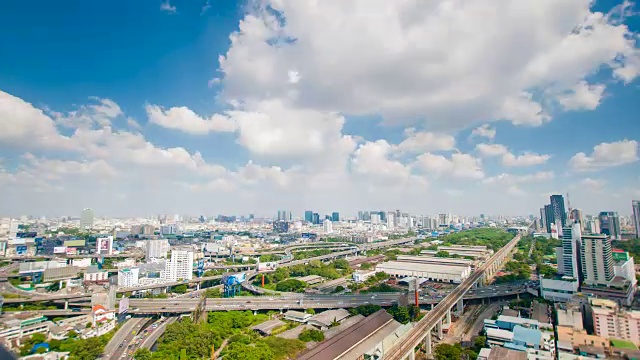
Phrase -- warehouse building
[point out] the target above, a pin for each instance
(431, 272)
(436, 260)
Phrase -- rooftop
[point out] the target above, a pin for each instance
(325, 318)
(500, 353)
(268, 326)
(413, 266)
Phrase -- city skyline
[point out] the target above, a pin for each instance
(250, 107)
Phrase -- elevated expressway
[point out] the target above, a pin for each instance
(421, 331)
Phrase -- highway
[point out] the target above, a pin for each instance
(423, 327)
(118, 344)
(186, 305)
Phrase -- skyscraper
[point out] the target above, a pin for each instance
(157, 248)
(610, 224)
(571, 247)
(543, 218)
(549, 219)
(635, 204)
(576, 215)
(559, 212)
(86, 218)
(308, 216)
(335, 216)
(327, 226)
(316, 219)
(597, 259)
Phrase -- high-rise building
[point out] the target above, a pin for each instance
(559, 212)
(391, 220)
(180, 267)
(610, 321)
(571, 247)
(360, 215)
(157, 249)
(327, 226)
(128, 277)
(597, 259)
(375, 218)
(443, 219)
(86, 219)
(635, 204)
(543, 218)
(576, 215)
(610, 224)
(549, 218)
(335, 216)
(316, 219)
(308, 216)
(396, 218)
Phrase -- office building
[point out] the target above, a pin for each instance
(576, 216)
(593, 226)
(308, 216)
(180, 267)
(169, 229)
(316, 219)
(327, 226)
(610, 224)
(571, 246)
(597, 259)
(375, 218)
(157, 249)
(86, 219)
(559, 212)
(635, 204)
(543, 219)
(284, 215)
(128, 277)
(335, 216)
(443, 220)
(549, 218)
(391, 221)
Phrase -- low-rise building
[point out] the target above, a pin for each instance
(324, 319)
(610, 321)
(16, 326)
(361, 276)
(432, 272)
(94, 275)
(558, 289)
(570, 340)
(297, 316)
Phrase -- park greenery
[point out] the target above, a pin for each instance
(79, 349)
(334, 270)
(291, 285)
(366, 266)
(185, 339)
(269, 258)
(311, 335)
(371, 281)
(402, 314)
(300, 255)
(492, 238)
(632, 246)
(456, 351)
(518, 271)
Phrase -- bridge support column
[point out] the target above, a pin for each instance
(448, 316)
(255, 312)
(439, 330)
(411, 355)
(66, 304)
(427, 343)
(197, 286)
(460, 307)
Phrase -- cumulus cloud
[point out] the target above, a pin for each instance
(606, 155)
(583, 96)
(184, 119)
(167, 7)
(511, 179)
(372, 159)
(593, 184)
(508, 158)
(462, 166)
(418, 142)
(484, 131)
(398, 61)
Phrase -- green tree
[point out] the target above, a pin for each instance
(180, 289)
(448, 352)
(311, 335)
(311, 311)
(213, 293)
(142, 354)
(87, 349)
(291, 285)
(341, 264)
(366, 266)
(442, 254)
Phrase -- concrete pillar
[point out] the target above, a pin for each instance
(197, 286)
(411, 355)
(448, 316)
(427, 343)
(439, 329)
(66, 304)
(460, 309)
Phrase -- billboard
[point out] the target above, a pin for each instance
(72, 251)
(60, 250)
(123, 306)
(21, 249)
(104, 245)
(75, 243)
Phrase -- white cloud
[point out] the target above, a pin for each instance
(184, 119)
(484, 131)
(87, 116)
(132, 123)
(412, 61)
(166, 6)
(273, 129)
(459, 166)
(26, 127)
(583, 96)
(593, 184)
(508, 158)
(606, 155)
(418, 142)
(372, 158)
(510, 179)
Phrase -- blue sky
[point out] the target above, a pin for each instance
(137, 108)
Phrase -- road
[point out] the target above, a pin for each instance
(478, 324)
(423, 327)
(118, 344)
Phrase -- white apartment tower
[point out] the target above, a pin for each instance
(597, 259)
(157, 248)
(128, 277)
(180, 267)
(327, 226)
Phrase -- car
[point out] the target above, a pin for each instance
(121, 345)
